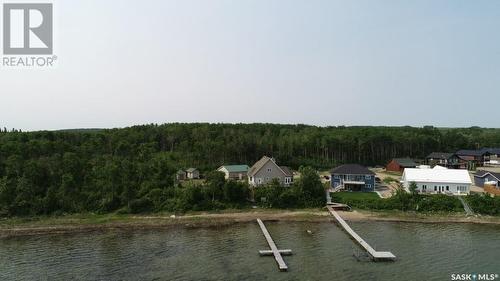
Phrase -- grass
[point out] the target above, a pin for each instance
(160, 218)
(344, 195)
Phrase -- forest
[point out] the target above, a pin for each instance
(133, 169)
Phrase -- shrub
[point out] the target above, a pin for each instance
(142, 205)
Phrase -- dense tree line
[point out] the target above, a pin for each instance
(105, 170)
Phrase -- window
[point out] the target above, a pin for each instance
(259, 180)
(424, 187)
(267, 178)
(337, 177)
(435, 188)
(447, 188)
(368, 186)
(268, 170)
(368, 177)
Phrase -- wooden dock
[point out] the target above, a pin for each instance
(274, 250)
(376, 256)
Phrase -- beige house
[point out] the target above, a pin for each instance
(234, 172)
(266, 169)
(192, 173)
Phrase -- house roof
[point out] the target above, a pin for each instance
(465, 157)
(405, 162)
(235, 168)
(190, 170)
(440, 155)
(352, 169)
(482, 174)
(437, 175)
(181, 172)
(492, 150)
(287, 170)
(467, 152)
(259, 164)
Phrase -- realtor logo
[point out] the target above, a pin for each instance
(27, 29)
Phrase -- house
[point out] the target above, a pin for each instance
(234, 172)
(192, 173)
(180, 175)
(438, 180)
(494, 155)
(448, 160)
(399, 164)
(482, 177)
(352, 177)
(266, 169)
(475, 158)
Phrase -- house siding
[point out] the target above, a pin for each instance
(439, 187)
(394, 166)
(265, 176)
(369, 181)
(479, 181)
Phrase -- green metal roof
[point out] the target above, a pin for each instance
(236, 168)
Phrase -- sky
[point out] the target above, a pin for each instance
(328, 63)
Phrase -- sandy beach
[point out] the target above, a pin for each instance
(90, 223)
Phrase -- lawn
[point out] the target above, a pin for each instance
(345, 195)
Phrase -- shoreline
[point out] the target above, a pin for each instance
(85, 223)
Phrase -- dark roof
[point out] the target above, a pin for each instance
(405, 162)
(466, 152)
(352, 169)
(440, 155)
(482, 173)
(465, 157)
(288, 171)
(492, 150)
(190, 170)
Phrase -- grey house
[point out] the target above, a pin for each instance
(482, 177)
(266, 169)
(180, 175)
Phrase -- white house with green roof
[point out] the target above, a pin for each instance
(234, 172)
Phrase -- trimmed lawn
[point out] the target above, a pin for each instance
(345, 195)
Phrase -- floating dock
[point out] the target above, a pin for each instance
(376, 256)
(274, 250)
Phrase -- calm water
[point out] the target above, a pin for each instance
(425, 252)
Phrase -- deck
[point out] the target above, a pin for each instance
(274, 250)
(376, 256)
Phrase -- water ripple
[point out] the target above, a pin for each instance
(425, 252)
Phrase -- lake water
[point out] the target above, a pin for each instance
(424, 251)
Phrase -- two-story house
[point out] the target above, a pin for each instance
(266, 169)
(352, 177)
(447, 160)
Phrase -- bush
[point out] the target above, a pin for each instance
(402, 201)
(484, 204)
(388, 180)
(142, 205)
